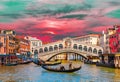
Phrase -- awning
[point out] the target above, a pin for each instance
(7, 55)
(108, 54)
(19, 56)
(13, 57)
(118, 54)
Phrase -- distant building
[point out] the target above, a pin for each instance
(2, 44)
(92, 39)
(23, 46)
(114, 40)
(7, 44)
(102, 41)
(8, 32)
(109, 32)
(111, 54)
(34, 42)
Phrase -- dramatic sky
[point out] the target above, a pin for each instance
(55, 19)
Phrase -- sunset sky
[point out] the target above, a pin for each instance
(55, 19)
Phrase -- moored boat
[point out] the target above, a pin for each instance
(24, 62)
(11, 60)
(37, 62)
(10, 64)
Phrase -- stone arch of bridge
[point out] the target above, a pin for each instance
(80, 54)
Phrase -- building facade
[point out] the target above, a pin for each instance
(89, 39)
(34, 42)
(2, 44)
(111, 54)
(23, 46)
(7, 44)
(7, 48)
(10, 44)
(114, 40)
(102, 41)
(8, 32)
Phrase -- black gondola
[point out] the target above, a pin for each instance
(10, 64)
(40, 62)
(59, 70)
(25, 62)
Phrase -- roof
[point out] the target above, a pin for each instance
(31, 38)
(20, 37)
(87, 36)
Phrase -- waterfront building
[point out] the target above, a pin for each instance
(7, 43)
(107, 57)
(92, 39)
(114, 40)
(88, 39)
(112, 52)
(102, 41)
(34, 42)
(7, 47)
(110, 32)
(23, 46)
(10, 44)
(7, 40)
(110, 40)
(2, 44)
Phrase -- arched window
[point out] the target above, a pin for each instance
(36, 52)
(85, 48)
(90, 49)
(100, 52)
(95, 51)
(40, 50)
(55, 47)
(75, 46)
(45, 49)
(50, 48)
(60, 46)
(80, 47)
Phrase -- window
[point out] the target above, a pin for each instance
(75, 46)
(118, 42)
(39, 43)
(114, 43)
(95, 51)
(118, 49)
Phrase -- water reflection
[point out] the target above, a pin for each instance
(34, 73)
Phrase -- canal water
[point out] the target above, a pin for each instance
(33, 73)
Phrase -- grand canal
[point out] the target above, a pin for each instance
(34, 73)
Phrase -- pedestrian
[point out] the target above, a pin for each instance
(62, 68)
(70, 65)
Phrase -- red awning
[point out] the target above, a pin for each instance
(13, 57)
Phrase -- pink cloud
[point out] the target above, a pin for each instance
(47, 29)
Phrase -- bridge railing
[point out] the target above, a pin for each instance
(67, 50)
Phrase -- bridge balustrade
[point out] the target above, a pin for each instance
(66, 50)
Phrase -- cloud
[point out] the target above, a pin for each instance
(55, 19)
(114, 14)
(80, 16)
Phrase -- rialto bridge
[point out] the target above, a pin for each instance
(67, 45)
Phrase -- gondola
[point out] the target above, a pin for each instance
(10, 64)
(59, 70)
(24, 62)
(40, 62)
